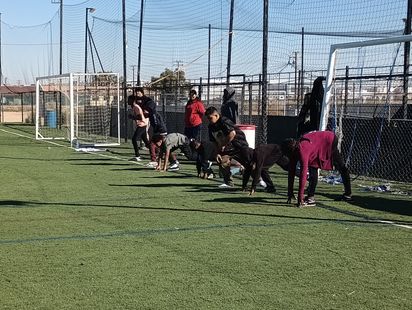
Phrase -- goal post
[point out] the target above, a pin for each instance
(81, 108)
(364, 103)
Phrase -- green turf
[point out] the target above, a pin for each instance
(85, 231)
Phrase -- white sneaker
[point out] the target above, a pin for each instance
(211, 176)
(173, 168)
(175, 165)
(262, 183)
(152, 164)
(135, 159)
(224, 185)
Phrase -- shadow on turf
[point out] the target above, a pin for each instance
(392, 205)
(18, 203)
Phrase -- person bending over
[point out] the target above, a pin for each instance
(264, 157)
(231, 141)
(168, 145)
(317, 149)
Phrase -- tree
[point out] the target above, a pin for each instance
(169, 81)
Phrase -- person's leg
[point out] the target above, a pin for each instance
(145, 137)
(313, 181)
(341, 167)
(224, 170)
(266, 178)
(196, 132)
(152, 150)
(134, 142)
(185, 149)
(188, 132)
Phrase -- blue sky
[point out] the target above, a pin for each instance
(177, 30)
(28, 12)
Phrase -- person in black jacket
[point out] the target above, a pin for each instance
(264, 156)
(231, 141)
(229, 107)
(313, 105)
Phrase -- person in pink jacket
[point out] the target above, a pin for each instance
(314, 150)
(194, 112)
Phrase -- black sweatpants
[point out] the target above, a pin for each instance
(140, 133)
(339, 165)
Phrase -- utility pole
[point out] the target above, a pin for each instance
(133, 66)
(179, 64)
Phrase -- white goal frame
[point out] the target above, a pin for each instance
(76, 83)
(330, 76)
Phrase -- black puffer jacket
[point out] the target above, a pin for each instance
(229, 106)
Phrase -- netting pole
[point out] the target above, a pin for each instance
(124, 68)
(229, 47)
(406, 61)
(265, 70)
(208, 63)
(140, 42)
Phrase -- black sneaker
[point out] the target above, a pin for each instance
(270, 190)
(309, 202)
(344, 198)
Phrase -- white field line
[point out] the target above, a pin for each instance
(57, 144)
(394, 224)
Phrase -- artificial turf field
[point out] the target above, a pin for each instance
(94, 231)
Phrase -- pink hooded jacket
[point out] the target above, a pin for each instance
(315, 150)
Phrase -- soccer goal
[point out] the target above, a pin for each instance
(81, 108)
(366, 104)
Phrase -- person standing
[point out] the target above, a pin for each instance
(194, 112)
(229, 107)
(316, 149)
(140, 132)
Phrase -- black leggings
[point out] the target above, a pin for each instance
(140, 133)
(338, 164)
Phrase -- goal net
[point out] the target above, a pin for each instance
(81, 108)
(366, 104)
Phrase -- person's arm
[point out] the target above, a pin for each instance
(291, 179)
(303, 175)
(227, 139)
(167, 154)
(161, 154)
(257, 171)
(200, 108)
(246, 175)
(283, 162)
